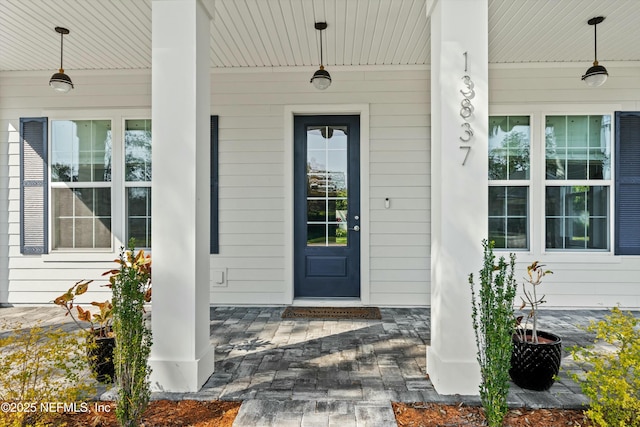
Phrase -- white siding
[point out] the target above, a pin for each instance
(37, 279)
(252, 245)
(251, 108)
(589, 279)
(5, 134)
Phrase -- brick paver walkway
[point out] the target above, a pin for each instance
(297, 372)
(347, 372)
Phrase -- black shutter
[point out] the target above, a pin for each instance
(627, 214)
(215, 247)
(33, 185)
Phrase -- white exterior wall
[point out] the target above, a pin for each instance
(39, 279)
(4, 209)
(251, 107)
(587, 279)
(252, 245)
(252, 175)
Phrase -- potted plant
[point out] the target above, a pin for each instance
(535, 360)
(100, 337)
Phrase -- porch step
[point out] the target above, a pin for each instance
(310, 413)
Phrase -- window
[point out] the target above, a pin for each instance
(87, 190)
(81, 183)
(578, 177)
(86, 184)
(563, 183)
(137, 160)
(509, 164)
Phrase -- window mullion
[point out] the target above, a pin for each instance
(117, 192)
(536, 195)
(502, 183)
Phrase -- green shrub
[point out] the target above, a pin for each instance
(130, 285)
(612, 381)
(41, 367)
(493, 323)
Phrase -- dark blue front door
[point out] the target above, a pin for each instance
(327, 206)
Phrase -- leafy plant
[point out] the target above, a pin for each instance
(99, 323)
(131, 285)
(41, 366)
(612, 381)
(535, 273)
(492, 315)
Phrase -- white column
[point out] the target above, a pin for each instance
(181, 356)
(458, 191)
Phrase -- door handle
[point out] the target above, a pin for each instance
(355, 228)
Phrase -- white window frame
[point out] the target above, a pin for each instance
(128, 184)
(537, 189)
(528, 183)
(579, 182)
(118, 194)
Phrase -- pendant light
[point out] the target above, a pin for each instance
(321, 79)
(60, 81)
(597, 74)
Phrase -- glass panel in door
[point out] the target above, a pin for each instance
(326, 181)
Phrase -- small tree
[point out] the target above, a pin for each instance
(492, 314)
(130, 284)
(535, 273)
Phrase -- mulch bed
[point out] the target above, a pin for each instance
(217, 413)
(434, 415)
(161, 413)
(331, 313)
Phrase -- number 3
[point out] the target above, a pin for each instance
(468, 130)
(469, 93)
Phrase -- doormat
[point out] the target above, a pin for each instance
(331, 313)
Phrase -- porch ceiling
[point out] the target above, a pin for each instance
(116, 34)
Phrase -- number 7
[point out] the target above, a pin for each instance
(468, 148)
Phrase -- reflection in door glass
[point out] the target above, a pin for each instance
(327, 185)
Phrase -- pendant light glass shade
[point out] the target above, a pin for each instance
(60, 81)
(321, 79)
(597, 74)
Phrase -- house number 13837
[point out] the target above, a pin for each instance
(466, 111)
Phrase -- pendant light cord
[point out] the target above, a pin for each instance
(595, 43)
(321, 58)
(61, 50)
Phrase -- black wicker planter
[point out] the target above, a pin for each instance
(101, 358)
(535, 366)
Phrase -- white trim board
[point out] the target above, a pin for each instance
(363, 111)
